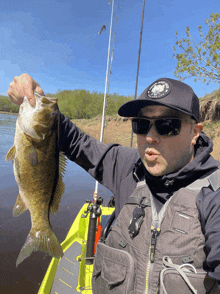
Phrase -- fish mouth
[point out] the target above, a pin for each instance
(45, 102)
(45, 99)
(40, 102)
(37, 121)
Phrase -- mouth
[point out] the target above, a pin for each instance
(151, 152)
(151, 155)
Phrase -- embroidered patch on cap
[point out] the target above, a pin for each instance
(158, 90)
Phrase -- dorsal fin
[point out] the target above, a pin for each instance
(60, 187)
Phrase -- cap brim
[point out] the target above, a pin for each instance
(133, 107)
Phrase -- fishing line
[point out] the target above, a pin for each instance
(138, 63)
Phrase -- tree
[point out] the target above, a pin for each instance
(201, 60)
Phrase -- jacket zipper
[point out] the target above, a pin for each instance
(154, 234)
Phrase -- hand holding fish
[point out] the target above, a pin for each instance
(23, 85)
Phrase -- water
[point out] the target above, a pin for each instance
(79, 186)
(76, 180)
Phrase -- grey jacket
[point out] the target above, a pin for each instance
(119, 169)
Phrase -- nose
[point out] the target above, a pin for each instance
(152, 136)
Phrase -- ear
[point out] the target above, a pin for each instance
(197, 129)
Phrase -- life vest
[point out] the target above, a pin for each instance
(156, 251)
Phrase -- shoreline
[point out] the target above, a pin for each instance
(5, 112)
(118, 130)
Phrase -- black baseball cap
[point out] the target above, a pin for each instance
(167, 92)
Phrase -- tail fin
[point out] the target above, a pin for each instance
(38, 241)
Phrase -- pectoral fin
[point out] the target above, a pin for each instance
(11, 154)
(54, 206)
(19, 207)
(32, 156)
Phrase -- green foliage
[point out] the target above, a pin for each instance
(78, 104)
(7, 106)
(201, 60)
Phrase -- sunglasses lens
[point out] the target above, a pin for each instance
(168, 127)
(165, 127)
(140, 126)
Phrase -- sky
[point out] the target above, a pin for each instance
(58, 44)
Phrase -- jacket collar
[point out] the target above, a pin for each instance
(139, 171)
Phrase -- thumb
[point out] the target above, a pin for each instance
(30, 97)
(30, 92)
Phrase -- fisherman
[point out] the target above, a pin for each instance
(167, 198)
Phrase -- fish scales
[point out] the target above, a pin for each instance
(38, 167)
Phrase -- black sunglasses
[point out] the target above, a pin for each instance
(164, 126)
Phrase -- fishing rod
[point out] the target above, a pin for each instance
(138, 63)
(95, 211)
(110, 71)
(105, 94)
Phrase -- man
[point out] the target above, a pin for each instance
(167, 193)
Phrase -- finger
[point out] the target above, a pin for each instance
(21, 86)
(13, 99)
(39, 90)
(26, 84)
(29, 86)
(13, 94)
(30, 96)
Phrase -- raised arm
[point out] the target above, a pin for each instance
(109, 164)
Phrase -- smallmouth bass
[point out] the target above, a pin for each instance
(38, 168)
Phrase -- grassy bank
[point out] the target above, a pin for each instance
(118, 131)
(5, 112)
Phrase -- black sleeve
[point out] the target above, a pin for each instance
(109, 164)
(208, 203)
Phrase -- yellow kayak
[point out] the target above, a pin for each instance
(70, 274)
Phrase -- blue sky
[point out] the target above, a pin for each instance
(58, 44)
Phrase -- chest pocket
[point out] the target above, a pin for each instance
(181, 222)
(113, 271)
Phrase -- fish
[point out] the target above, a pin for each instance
(38, 167)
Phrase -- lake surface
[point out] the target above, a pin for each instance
(79, 186)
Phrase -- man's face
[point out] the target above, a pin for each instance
(162, 155)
